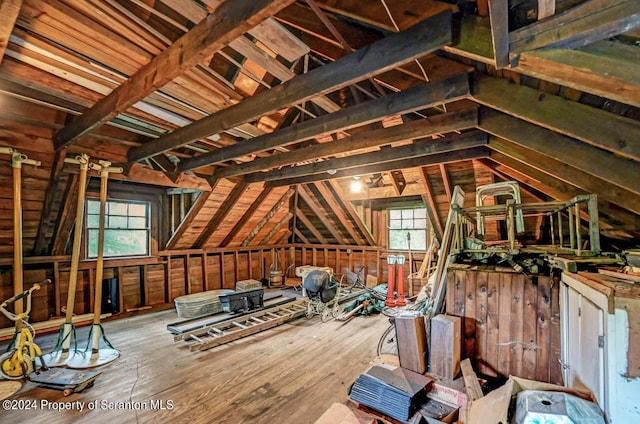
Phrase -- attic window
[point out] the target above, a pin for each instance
(127, 230)
(408, 226)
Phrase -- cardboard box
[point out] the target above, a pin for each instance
(449, 392)
(494, 407)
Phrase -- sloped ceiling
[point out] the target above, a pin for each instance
(268, 107)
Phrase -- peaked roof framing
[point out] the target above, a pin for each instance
(385, 54)
(229, 21)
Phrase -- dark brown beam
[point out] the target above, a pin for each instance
(222, 212)
(599, 163)
(285, 197)
(320, 213)
(419, 97)
(337, 210)
(247, 215)
(597, 127)
(191, 215)
(9, 11)
(415, 150)
(276, 228)
(229, 21)
(448, 157)
(397, 181)
(445, 180)
(568, 174)
(429, 202)
(427, 127)
(348, 208)
(499, 18)
(383, 55)
(40, 248)
(307, 223)
(586, 23)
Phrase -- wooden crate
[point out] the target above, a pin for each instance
(511, 322)
(446, 338)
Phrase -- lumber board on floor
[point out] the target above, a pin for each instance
(290, 374)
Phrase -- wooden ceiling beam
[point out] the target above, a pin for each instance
(284, 221)
(319, 211)
(301, 217)
(422, 128)
(186, 222)
(412, 99)
(445, 180)
(429, 201)
(385, 54)
(274, 209)
(414, 150)
(499, 18)
(337, 210)
(448, 157)
(597, 127)
(220, 215)
(266, 191)
(568, 174)
(559, 190)
(351, 212)
(397, 181)
(229, 21)
(586, 23)
(9, 11)
(619, 171)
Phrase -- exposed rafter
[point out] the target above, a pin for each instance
(229, 21)
(222, 212)
(351, 212)
(337, 209)
(385, 54)
(284, 199)
(266, 191)
(419, 97)
(318, 211)
(429, 202)
(302, 218)
(413, 150)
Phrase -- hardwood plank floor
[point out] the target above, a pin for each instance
(290, 374)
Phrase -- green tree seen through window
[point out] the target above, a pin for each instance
(408, 226)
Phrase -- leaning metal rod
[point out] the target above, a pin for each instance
(105, 168)
(83, 161)
(17, 159)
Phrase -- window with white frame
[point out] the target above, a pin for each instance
(408, 229)
(127, 230)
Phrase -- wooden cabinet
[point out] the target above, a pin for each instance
(598, 328)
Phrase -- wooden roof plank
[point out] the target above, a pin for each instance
(429, 94)
(280, 40)
(320, 213)
(9, 11)
(351, 212)
(429, 201)
(301, 217)
(380, 56)
(274, 209)
(266, 191)
(228, 22)
(221, 214)
(337, 210)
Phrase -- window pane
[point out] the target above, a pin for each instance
(93, 206)
(395, 214)
(137, 209)
(93, 221)
(117, 208)
(137, 223)
(117, 222)
(92, 243)
(395, 223)
(418, 240)
(420, 213)
(407, 224)
(125, 242)
(420, 223)
(397, 239)
(407, 213)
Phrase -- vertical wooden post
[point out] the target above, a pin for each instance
(187, 274)
(572, 230)
(168, 285)
(205, 273)
(594, 224)
(578, 234)
(221, 270)
(56, 279)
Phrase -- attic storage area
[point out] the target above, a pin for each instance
(187, 180)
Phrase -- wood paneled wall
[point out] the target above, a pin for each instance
(511, 321)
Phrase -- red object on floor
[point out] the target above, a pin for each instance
(400, 301)
(390, 301)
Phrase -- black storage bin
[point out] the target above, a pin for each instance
(242, 301)
(110, 296)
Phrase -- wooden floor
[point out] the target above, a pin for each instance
(290, 374)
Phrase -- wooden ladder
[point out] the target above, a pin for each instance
(243, 326)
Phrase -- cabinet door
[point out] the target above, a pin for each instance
(583, 350)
